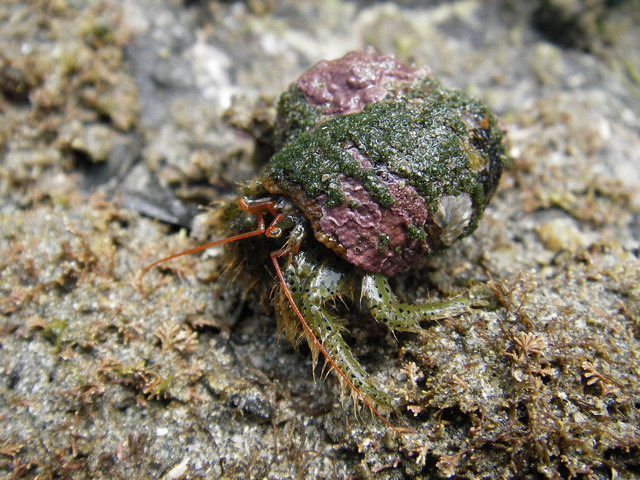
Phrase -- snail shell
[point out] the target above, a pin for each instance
(387, 165)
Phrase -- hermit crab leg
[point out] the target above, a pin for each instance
(275, 255)
(385, 308)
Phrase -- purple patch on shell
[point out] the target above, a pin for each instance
(376, 238)
(347, 84)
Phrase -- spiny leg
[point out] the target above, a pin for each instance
(384, 307)
(309, 285)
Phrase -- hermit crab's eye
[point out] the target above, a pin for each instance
(274, 232)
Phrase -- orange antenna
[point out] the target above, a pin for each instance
(257, 207)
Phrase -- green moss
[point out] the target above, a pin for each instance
(383, 242)
(416, 233)
(296, 115)
(55, 331)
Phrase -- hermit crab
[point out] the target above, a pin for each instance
(376, 166)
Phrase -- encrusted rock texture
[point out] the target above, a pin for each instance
(121, 117)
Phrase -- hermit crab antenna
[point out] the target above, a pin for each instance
(234, 238)
(358, 393)
(259, 208)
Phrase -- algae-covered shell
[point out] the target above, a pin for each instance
(390, 169)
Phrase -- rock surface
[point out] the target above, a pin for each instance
(117, 107)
